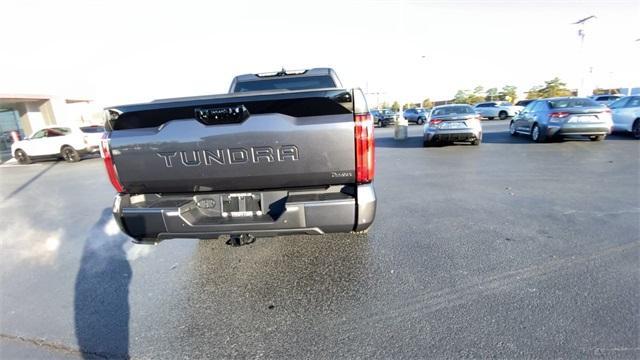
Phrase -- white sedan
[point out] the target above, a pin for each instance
(68, 142)
(497, 109)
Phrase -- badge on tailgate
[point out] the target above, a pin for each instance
(222, 115)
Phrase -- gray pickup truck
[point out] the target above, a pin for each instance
(282, 153)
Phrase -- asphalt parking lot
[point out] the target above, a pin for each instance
(512, 249)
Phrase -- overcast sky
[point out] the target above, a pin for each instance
(126, 51)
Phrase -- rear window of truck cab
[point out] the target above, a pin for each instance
(286, 83)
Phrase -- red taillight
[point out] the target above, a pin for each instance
(105, 152)
(558, 114)
(365, 157)
(435, 121)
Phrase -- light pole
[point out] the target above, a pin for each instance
(581, 35)
(422, 65)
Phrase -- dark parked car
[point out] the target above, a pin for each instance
(606, 99)
(416, 115)
(558, 117)
(261, 161)
(523, 103)
(383, 117)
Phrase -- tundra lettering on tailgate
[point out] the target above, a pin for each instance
(231, 156)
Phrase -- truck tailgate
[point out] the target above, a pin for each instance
(235, 142)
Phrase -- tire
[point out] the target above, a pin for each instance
(635, 130)
(597, 137)
(477, 141)
(427, 143)
(490, 117)
(502, 115)
(512, 129)
(537, 134)
(420, 121)
(69, 154)
(380, 124)
(22, 157)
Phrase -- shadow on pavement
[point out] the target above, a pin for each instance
(101, 300)
(34, 178)
(390, 142)
(503, 137)
(621, 136)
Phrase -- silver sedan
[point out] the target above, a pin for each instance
(449, 123)
(626, 115)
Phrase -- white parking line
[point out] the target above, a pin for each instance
(18, 165)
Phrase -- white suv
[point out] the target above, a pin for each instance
(68, 142)
(497, 109)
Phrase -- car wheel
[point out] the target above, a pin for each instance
(636, 129)
(427, 143)
(69, 154)
(512, 129)
(476, 142)
(490, 117)
(420, 121)
(537, 134)
(503, 115)
(22, 157)
(380, 123)
(597, 138)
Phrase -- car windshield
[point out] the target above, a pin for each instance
(453, 110)
(618, 103)
(573, 103)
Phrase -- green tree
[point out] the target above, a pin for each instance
(385, 105)
(554, 87)
(534, 92)
(461, 97)
(492, 94)
(508, 93)
(469, 97)
(395, 106)
(477, 95)
(551, 88)
(427, 104)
